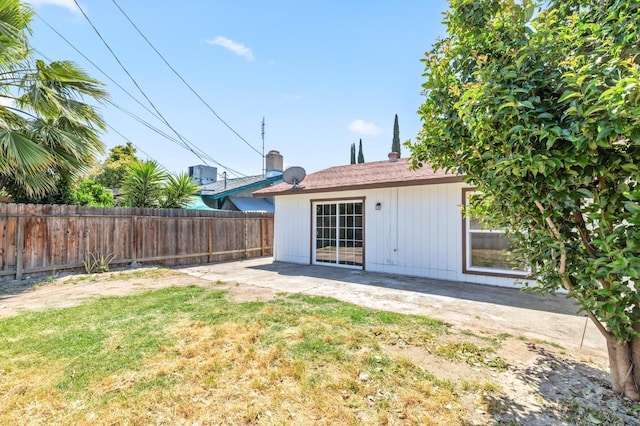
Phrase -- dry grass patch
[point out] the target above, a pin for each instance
(187, 355)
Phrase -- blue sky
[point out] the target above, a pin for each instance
(323, 74)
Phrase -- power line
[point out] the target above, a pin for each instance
(172, 139)
(186, 143)
(129, 113)
(132, 143)
(95, 65)
(134, 116)
(182, 79)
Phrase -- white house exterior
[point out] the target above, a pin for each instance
(382, 217)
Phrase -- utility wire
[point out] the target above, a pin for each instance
(132, 143)
(95, 65)
(182, 79)
(186, 143)
(132, 115)
(169, 137)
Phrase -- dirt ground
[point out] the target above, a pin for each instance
(541, 382)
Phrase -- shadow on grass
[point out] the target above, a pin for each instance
(11, 287)
(566, 393)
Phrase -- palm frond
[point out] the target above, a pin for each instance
(19, 153)
(178, 191)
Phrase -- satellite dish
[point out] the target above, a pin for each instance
(294, 175)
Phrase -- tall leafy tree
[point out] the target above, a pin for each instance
(540, 110)
(353, 153)
(360, 153)
(116, 165)
(395, 145)
(48, 133)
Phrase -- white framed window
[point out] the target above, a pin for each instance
(486, 251)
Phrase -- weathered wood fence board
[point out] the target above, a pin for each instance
(45, 238)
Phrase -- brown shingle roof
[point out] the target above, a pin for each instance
(377, 174)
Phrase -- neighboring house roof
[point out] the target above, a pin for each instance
(197, 204)
(247, 204)
(377, 174)
(222, 189)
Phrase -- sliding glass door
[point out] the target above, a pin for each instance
(339, 233)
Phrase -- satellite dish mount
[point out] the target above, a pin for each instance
(293, 176)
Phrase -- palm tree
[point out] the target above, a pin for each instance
(178, 191)
(47, 130)
(144, 184)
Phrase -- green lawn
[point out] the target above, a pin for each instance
(187, 355)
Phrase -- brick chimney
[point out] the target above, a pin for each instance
(273, 164)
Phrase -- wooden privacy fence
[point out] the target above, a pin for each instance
(38, 239)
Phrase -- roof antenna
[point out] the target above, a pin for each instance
(264, 159)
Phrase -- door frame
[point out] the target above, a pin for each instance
(312, 231)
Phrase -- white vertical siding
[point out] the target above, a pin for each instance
(417, 231)
(423, 224)
(292, 227)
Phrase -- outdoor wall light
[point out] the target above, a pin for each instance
(378, 206)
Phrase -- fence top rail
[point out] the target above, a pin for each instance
(47, 210)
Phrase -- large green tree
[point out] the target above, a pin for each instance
(48, 133)
(116, 165)
(538, 105)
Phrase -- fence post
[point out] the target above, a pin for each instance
(134, 240)
(262, 227)
(210, 228)
(19, 247)
(246, 236)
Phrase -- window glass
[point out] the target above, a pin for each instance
(487, 250)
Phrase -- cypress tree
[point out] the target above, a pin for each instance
(395, 145)
(353, 153)
(360, 153)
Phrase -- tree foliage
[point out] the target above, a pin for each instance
(62, 192)
(143, 184)
(353, 153)
(540, 110)
(147, 184)
(395, 144)
(90, 193)
(48, 133)
(115, 166)
(178, 191)
(360, 153)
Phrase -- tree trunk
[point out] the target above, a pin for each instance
(624, 365)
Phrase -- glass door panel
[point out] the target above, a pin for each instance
(339, 233)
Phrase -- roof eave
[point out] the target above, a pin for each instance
(375, 185)
(229, 192)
